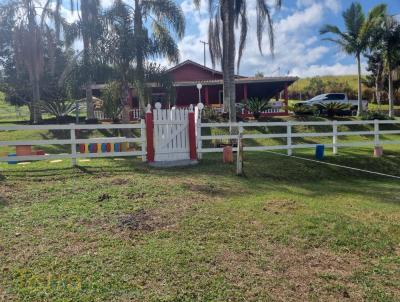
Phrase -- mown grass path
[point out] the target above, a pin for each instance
(121, 231)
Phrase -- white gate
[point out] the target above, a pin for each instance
(171, 134)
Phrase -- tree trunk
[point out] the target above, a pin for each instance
(228, 59)
(360, 105)
(125, 96)
(391, 109)
(88, 85)
(36, 112)
(140, 85)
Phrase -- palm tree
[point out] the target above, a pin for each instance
(87, 28)
(119, 47)
(166, 19)
(28, 46)
(387, 41)
(224, 16)
(355, 40)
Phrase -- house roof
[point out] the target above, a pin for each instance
(241, 80)
(190, 62)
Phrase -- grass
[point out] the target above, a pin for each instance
(8, 112)
(120, 230)
(301, 84)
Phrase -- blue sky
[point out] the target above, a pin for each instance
(299, 48)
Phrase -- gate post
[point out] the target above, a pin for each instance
(192, 136)
(149, 134)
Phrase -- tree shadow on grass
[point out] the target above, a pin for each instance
(264, 172)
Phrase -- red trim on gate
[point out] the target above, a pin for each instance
(192, 137)
(149, 136)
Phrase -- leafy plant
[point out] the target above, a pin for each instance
(112, 104)
(375, 115)
(59, 108)
(256, 106)
(331, 109)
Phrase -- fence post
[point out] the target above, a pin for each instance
(289, 138)
(376, 133)
(239, 160)
(192, 136)
(143, 138)
(73, 144)
(335, 138)
(149, 134)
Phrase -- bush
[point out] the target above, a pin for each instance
(374, 115)
(112, 104)
(256, 106)
(59, 109)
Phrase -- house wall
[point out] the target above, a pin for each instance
(191, 72)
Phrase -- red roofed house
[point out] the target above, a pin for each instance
(188, 74)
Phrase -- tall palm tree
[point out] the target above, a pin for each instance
(356, 38)
(120, 47)
(387, 41)
(166, 19)
(224, 16)
(28, 45)
(87, 28)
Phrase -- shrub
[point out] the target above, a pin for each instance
(375, 115)
(256, 106)
(58, 108)
(112, 104)
(331, 109)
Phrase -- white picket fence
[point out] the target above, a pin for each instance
(289, 135)
(75, 142)
(134, 113)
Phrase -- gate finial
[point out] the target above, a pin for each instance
(148, 108)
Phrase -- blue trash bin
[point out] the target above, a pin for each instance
(319, 152)
(12, 162)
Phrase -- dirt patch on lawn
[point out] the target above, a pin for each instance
(282, 206)
(142, 220)
(283, 273)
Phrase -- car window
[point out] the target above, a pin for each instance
(319, 97)
(336, 96)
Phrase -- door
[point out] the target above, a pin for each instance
(171, 135)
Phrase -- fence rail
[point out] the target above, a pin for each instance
(75, 142)
(289, 135)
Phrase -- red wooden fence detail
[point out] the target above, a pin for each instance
(149, 136)
(192, 136)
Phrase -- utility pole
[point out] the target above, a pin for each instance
(204, 53)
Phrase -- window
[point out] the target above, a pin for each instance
(336, 96)
(221, 97)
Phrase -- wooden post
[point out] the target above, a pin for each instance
(289, 138)
(143, 136)
(73, 145)
(376, 133)
(239, 159)
(335, 138)
(192, 136)
(199, 141)
(149, 135)
(206, 97)
(286, 94)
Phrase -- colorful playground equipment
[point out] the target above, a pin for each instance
(103, 147)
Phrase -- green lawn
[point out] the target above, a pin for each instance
(118, 230)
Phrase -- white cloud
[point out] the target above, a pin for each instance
(298, 50)
(336, 69)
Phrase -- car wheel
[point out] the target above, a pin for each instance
(353, 112)
(317, 112)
